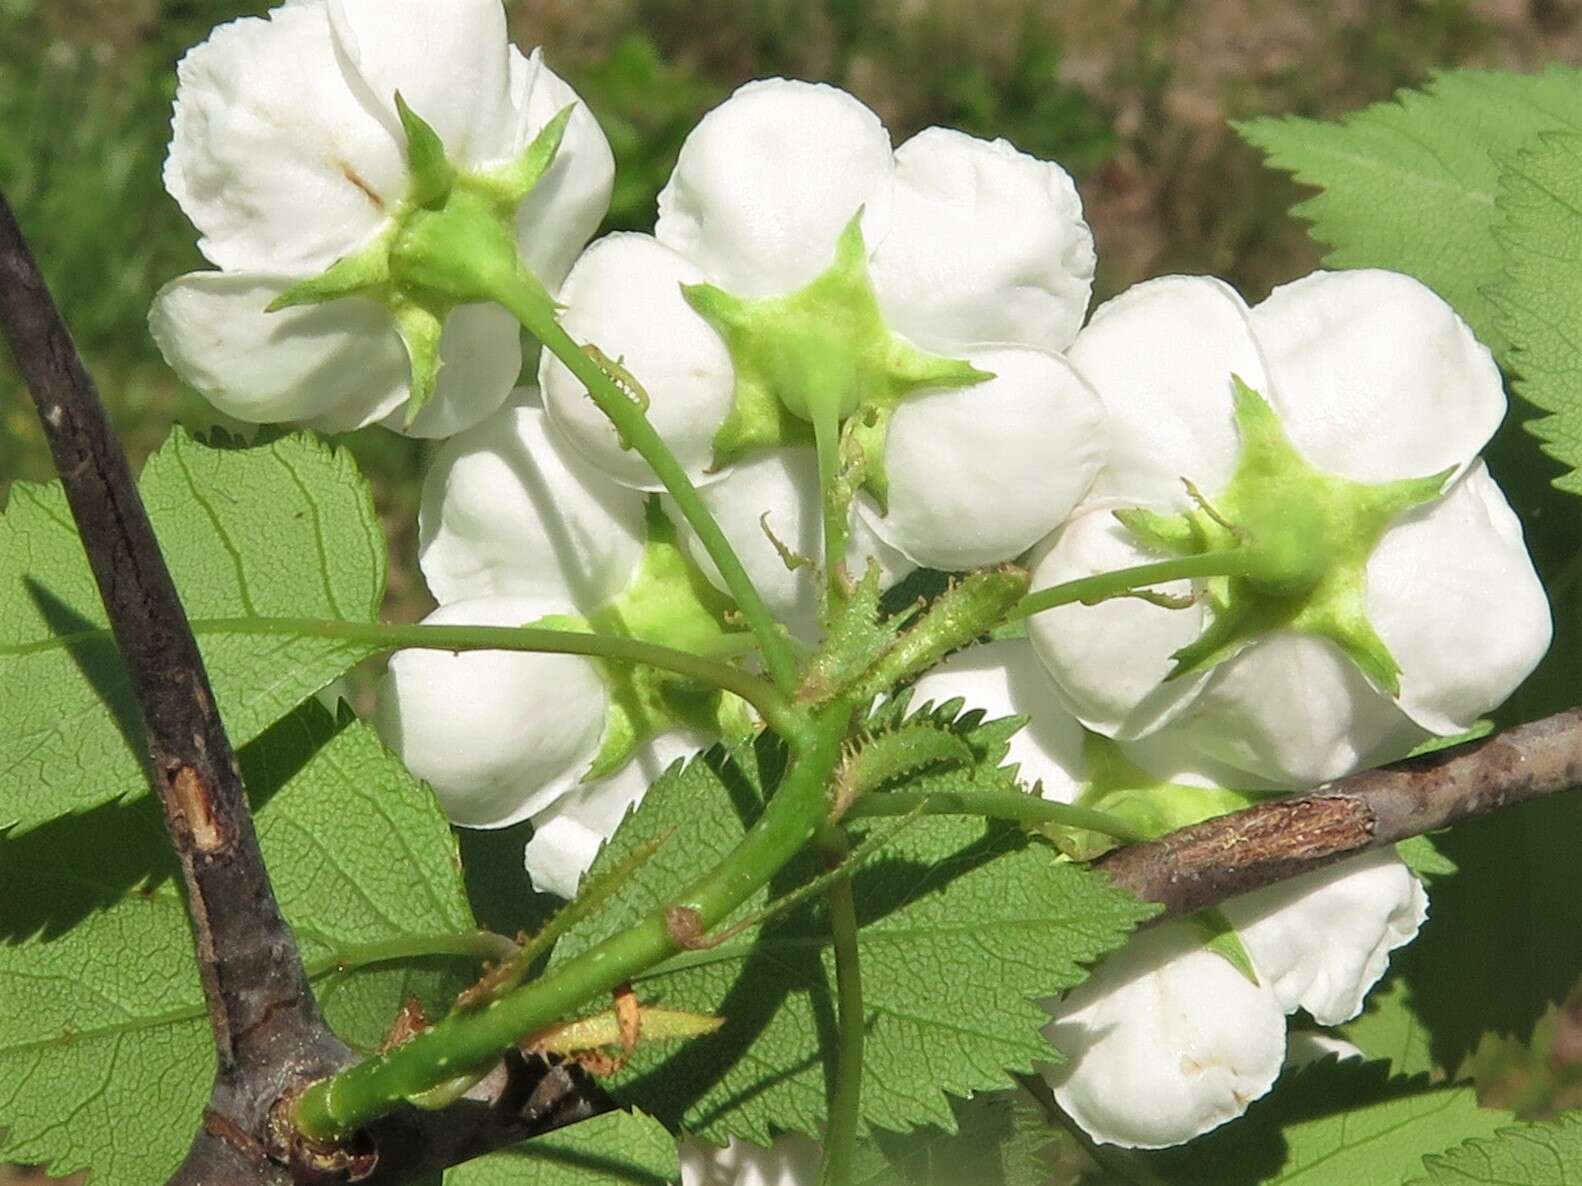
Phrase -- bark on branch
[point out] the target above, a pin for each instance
(1233, 854)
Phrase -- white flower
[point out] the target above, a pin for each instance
(1004, 679)
(966, 242)
(568, 834)
(792, 1160)
(1374, 379)
(288, 154)
(499, 735)
(508, 509)
(776, 491)
(1167, 1040)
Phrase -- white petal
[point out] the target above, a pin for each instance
(624, 296)
(980, 474)
(448, 61)
(1161, 356)
(1375, 377)
(779, 487)
(1005, 679)
(571, 199)
(338, 366)
(1166, 1041)
(1322, 940)
(1452, 592)
(499, 735)
(297, 364)
(480, 356)
(986, 244)
(792, 1160)
(1292, 710)
(509, 509)
(1110, 660)
(273, 157)
(767, 180)
(569, 833)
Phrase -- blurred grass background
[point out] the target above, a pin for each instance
(1134, 96)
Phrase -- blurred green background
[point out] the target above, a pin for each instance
(1133, 96)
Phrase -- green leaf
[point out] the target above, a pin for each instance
(1331, 1124)
(1391, 1030)
(1533, 1155)
(996, 1140)
(281, 530)
(105, 1053)
(1410, 184)
(615, 1149)
(1540, 295)
(963, 927)
(1424, 858)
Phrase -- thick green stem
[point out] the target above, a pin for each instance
(1228, 563)
(1015, 806)
(537, 315)
(840, 1137)
(336, 1107)
(385, 636)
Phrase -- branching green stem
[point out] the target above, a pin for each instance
(334, 1108)
(1228, 563)
(761, 694)
(840, 1137)
(523, 301)
(1007, 805)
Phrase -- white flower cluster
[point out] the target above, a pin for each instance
(920, 314)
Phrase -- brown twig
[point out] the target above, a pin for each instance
(1233, 854)
(269, 1034)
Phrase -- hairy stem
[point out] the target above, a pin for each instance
(845, 1108)
(1231, 562)
(538, 317)
(465, 1041)
(1015, 806)
(761, 694)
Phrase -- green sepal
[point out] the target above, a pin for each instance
(420, 329)
(668, 601)
(511, 183)
(1303, 537)
(364, 273)
(429, 174)
(1174, 535)
(823, 350)
(1220, 937)
(451, 241)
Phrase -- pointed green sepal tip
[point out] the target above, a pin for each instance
(514, 181)
(1394, 498)
(430, 173)
(851, 249)
(716, 306)
(366, 272)
(912, 369)
(1172, 534)
(420, 329)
